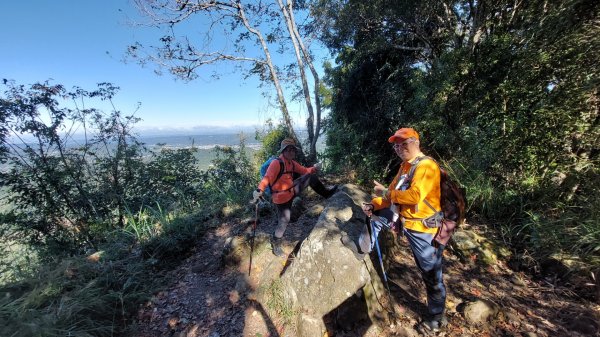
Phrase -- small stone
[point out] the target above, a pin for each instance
(480, 311)
(234, 296)
(517, 280)
(172, 322)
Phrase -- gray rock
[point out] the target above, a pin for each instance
(265, 208)
(465, 241)
(324, 273)
(297, 209)
(481, 311)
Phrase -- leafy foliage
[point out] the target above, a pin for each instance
(270, 139)
(231, 178)
(509, 90)
(56, 193)
(67, 194)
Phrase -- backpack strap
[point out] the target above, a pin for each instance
(413, 168)
(281, 169)
(414, 165)
(428, 204)
(411, 173)
(281, 172)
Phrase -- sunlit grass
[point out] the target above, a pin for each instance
(278, 304)
(81, 296)
(147, 223)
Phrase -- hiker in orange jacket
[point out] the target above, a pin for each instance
(285, 187)
(405, 203)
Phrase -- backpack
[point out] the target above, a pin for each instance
(452, 202)
(265, 166)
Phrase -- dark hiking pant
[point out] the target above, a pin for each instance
(428, 258)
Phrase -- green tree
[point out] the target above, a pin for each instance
(252, 31)
(507, 89)
(56, 195)
(72, 174)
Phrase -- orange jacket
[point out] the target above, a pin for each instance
(425, 184)
(283, 190)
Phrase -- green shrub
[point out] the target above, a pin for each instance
(139, 212)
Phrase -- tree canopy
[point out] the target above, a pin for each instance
(262, 39)
(505, 91)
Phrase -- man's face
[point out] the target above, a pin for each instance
(406, 149)
(289, 152)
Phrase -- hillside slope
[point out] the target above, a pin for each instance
(211, 295)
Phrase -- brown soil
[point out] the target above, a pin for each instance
(210, 298)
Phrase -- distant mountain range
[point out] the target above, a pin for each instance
(197, 130)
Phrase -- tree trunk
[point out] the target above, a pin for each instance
(316, 79)
(296, 40)
(269, 62)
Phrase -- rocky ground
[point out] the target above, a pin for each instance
(211, 295)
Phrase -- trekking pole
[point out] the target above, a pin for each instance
(371, 231)
(253, 234)
(392, 312)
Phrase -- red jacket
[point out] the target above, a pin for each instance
(283, 190)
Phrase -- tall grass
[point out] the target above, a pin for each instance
(538, 217)
(97, 295)
(147, 223)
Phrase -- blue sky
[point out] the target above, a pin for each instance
(83, 42)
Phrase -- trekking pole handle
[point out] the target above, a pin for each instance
(257, 195)
(252, 202)
(368, 210)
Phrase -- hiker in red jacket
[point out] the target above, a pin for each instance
(408, 202)
(284, 187)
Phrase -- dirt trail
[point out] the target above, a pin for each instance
(208, 297)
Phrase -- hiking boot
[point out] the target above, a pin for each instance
(331, 191)
(276, 245)
(434, 323)
(350, 244)
(318, 187)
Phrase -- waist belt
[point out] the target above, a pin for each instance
(272, 191)
(414, 219)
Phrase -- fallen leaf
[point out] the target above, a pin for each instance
(173, 321)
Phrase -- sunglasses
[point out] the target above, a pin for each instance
(403, 144)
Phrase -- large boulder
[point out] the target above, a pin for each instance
(467, 242)
(324, 274)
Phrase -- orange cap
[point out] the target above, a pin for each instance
(403, 133)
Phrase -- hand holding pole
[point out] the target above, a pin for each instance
(256, 195)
